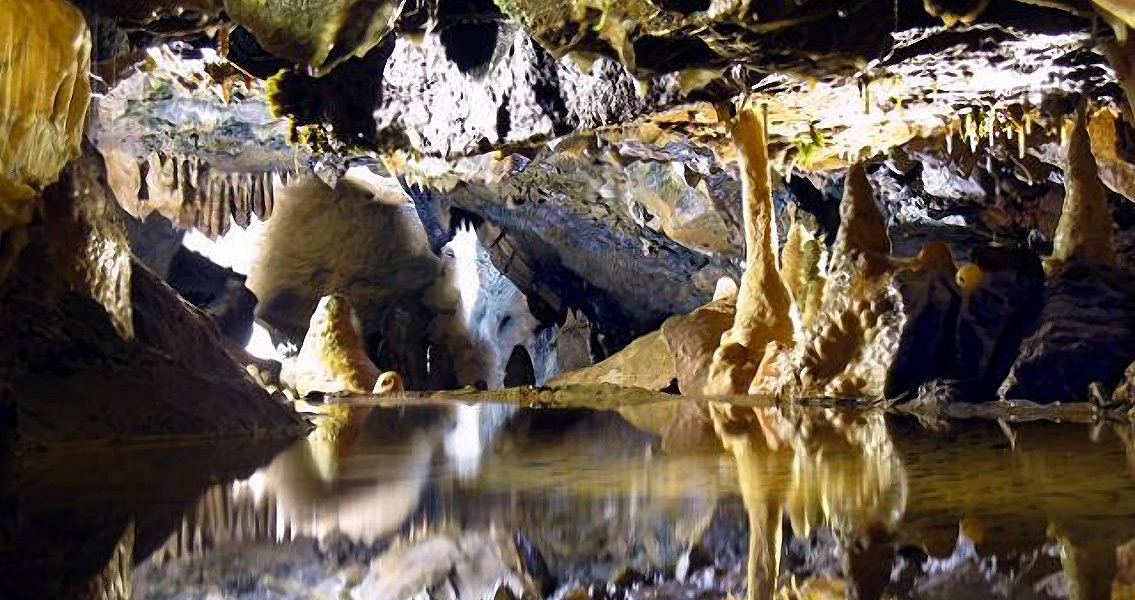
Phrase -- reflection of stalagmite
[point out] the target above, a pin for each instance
(332, 358)
(1084, 230)
(312, 495)
(1089, 565)
(763, 301)
(838, 471)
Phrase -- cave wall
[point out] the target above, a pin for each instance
(100, 350)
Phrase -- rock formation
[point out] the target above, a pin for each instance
(331, 359)
(101, 339)
(762, 301)
(46, 93)
(1086, 298)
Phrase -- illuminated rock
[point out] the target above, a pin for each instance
(320, 34)
(763, 302)
(365, 243)
(44, 92)
(644, 363)
(692, 340)
(1084, 232)
(1114, 171)
(332, 358)
(389, 384)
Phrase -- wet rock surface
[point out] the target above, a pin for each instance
(1057, 362)
(909, 211)
(96, 339)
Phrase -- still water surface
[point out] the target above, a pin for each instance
(429, 502)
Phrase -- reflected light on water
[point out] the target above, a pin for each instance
(463, 443)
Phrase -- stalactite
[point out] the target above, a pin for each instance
(193, 193)
(763, 301)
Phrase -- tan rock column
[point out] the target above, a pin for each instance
(763, 301)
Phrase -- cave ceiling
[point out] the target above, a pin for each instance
(547, 119)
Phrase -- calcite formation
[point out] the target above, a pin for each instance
(762, 301)
(930, 303)
(859, 315)
(693, 338)
(44, 95)
(1084, 231)
(332, 359)
(191, 193)
(801, 261)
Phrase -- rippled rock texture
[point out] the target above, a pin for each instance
(45, 93)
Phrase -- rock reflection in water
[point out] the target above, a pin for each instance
(74, 524)
(965, 509)
(580, 504)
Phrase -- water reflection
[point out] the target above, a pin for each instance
(73, 525)
(787, 503)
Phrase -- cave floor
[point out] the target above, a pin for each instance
(434, 498)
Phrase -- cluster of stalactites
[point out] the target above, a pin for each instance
(192, 193)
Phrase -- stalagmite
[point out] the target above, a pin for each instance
(857, 319)
(1084, 231)
(763, 301)
(800, 270)
(1084, 334)
(332, 358)
(863, 231)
